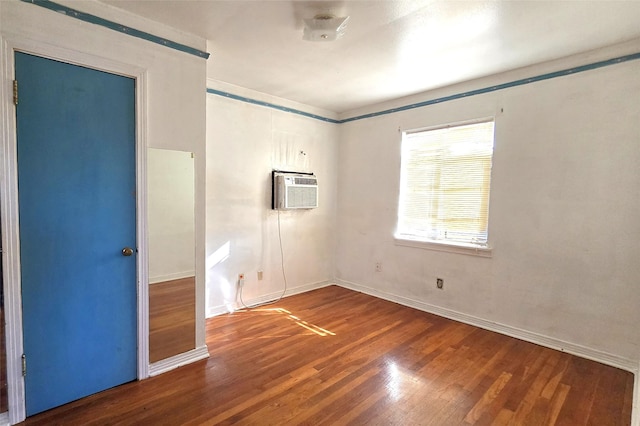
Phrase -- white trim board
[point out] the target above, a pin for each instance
(11, 243)
(266, 298)
(142, 228)
(179, 360)
(539, 339)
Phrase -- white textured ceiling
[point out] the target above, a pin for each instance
(391, 48)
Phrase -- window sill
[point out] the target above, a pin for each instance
(459, 248)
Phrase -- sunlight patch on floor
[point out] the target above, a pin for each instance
(298, 321)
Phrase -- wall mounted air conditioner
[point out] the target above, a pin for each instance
(294, 190)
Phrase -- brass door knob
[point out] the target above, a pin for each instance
(127, 251)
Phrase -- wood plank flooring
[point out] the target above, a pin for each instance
(172, 312)
(334, 357)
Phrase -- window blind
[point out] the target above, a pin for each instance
(445, 183)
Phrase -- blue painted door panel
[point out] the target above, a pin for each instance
(76, 184)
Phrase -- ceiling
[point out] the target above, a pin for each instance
(391, 48)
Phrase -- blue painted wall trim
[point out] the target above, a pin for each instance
(489, 89)
(470, 93)
(86, 17)
(270, 105)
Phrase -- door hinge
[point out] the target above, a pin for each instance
(15, 92)
(24, 365)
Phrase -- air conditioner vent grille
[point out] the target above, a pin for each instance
(302, 197)
(306, 181)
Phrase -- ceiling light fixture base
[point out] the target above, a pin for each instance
(324, 27)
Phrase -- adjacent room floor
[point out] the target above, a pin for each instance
(334, 356)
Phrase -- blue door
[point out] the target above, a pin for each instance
(77, 203)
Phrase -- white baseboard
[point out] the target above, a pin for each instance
(539, 339)
(224, 309)
(174, 362)
(171, 277)
(214, 311)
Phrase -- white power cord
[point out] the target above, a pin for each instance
(284, 275)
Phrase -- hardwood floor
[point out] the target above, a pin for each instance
(172, 312)
(333, 356)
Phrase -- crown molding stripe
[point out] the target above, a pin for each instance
(270, 105)
(92, 19)
(515, 83)
(489, 89)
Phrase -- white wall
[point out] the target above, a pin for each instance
(244, 143)
(563, 218)
(173, 85)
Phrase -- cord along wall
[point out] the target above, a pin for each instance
(242, 224)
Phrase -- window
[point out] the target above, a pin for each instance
(444, 185)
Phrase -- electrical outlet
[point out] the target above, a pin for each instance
(378, 266)
(440, 283)
(259, 275)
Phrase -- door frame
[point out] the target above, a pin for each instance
(9, 209)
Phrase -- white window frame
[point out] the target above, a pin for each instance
(468, 248)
